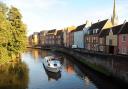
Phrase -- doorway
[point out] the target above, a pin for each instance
(111, 49)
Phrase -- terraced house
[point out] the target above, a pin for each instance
(35, 40)
(112, 39)
(123, 40)
(79, 34)
(68, 36)
(43, 38)
(50, 38)
(59, 38)
(92, 38)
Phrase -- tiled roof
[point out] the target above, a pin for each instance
(98, 25)
(124, 29)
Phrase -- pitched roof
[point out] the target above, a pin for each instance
(69, 29)
(124, 29)
(59, 32)
(116, 29)
(35, 33)
(98, 25)
(52, 31)
(104, 32)
(80, 27)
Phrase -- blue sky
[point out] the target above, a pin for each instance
(49, 14)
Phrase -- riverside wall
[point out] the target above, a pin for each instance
(112, 66)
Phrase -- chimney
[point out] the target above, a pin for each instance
(125, 21)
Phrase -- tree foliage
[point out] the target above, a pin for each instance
(18, 42)
(12, 33)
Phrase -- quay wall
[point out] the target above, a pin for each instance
(112, 66)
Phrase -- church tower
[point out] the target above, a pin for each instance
(114, 18)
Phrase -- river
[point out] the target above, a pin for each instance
(31, 74)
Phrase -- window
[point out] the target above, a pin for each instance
(110, 42)
(86, 39)
(124, 50)
(95, 31)
(94, 39)
(88, 32)
(124, 38)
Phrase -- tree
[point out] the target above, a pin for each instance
(3, 8)
(13, 37)
(18, 31)
(5, 36)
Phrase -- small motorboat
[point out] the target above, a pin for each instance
(52, 64)
(52, 75)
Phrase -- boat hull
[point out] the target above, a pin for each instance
(53, 69)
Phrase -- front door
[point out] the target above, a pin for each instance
(111, 49)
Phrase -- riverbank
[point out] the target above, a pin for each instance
(108, 65)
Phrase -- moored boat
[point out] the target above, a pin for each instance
(52, 64)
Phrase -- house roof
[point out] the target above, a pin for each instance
(98, 25)
(124, 29)
(69, 29)
(80, 27)
(115, 30)
(59, 32)
(51, 31)
(104, 32)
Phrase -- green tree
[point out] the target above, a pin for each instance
(5, 35)
(18, 31)
(13, 37)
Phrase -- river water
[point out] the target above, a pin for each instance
(31, 74)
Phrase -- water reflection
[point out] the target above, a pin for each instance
(72, 76)
(14, 76)
(69, 67)
(51, 75)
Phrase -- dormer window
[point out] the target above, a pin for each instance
(95, 31)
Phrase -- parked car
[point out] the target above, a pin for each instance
(74, 46)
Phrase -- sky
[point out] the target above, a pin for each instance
(57, 14)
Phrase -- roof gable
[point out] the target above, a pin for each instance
(98, 25)
(52, 31)
(59, 32)
(116, 29)
(124, 29)
(104, 32)
(81, 27)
